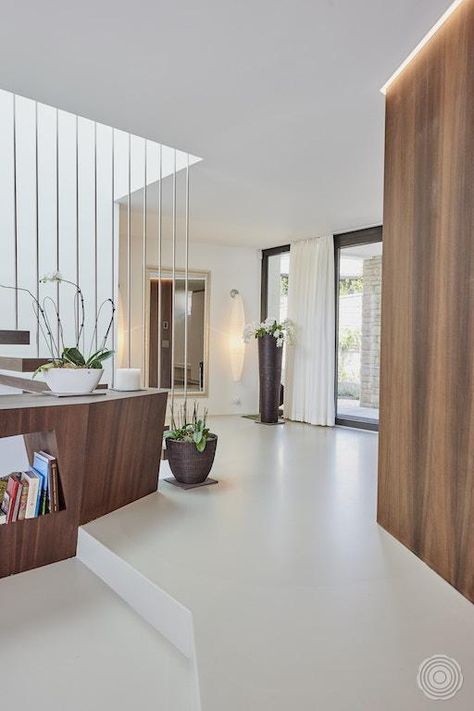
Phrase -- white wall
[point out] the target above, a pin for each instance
(13, 456)
(61, 219)
(230, 268)
(69, 175)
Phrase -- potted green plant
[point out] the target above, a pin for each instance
(190, 446)
(72, 373)
(68, 371)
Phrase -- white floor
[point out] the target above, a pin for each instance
(299, 600)
(68, 643)
(352, 408)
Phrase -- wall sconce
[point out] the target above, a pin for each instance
(236, 342)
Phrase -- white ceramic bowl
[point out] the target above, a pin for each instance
(73, 381)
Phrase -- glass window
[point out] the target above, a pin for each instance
(359, 290)
(277, 270)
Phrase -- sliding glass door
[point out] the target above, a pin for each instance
(358, 258)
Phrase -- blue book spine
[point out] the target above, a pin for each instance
(41, 466)
(41, 488)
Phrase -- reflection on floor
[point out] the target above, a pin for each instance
(352, 408)
(68, 643)
(299, 600)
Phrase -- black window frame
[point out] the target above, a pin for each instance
(368, 235)
(266, 253)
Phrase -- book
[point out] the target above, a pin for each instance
(16, 503)
(41, 467)
(53, 485)
(3, 487)
(14, 492)
(23, 499)
(33, 480)
(5, 506)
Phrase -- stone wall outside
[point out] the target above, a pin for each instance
(370, 336)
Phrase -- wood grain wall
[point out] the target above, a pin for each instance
(426, 456)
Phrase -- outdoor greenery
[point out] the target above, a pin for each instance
(349, 339)
(349, 343)
(194, 430)
(351, 285)
(284, 284)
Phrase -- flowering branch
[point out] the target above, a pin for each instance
(78, 301)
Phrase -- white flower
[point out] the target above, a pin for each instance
(52, 276)
(249, 332)
(282, 332)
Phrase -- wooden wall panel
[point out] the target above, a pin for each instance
(122, 460)
(426, 456)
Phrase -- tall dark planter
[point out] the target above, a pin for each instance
(269, 364)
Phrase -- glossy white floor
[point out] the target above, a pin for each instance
(298, 599)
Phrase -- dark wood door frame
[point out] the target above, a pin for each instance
(160, 322)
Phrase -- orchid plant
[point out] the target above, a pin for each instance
(282, 331)
(47, 314)
(189, 429)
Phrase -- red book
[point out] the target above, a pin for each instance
(14, 491)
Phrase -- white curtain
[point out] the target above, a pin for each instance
(309, 391)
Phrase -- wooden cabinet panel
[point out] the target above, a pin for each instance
(108, 449)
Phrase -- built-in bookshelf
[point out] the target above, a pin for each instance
(107, 452)
(36, 490)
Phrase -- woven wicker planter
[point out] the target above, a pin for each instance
(187, 464)
(269, 365)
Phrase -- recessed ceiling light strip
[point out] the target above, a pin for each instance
(421, 44)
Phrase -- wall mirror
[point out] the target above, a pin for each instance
(171, 319)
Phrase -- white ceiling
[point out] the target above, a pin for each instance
(280, 97)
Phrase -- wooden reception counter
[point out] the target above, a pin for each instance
(108, 450)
